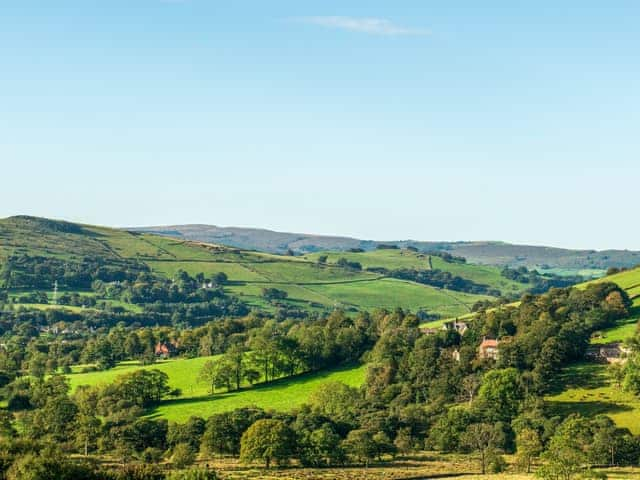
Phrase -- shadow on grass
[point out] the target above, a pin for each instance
(272, 386)
(586, 376)
(634, 312)
(586, 409)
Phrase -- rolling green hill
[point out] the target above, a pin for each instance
(310, 285)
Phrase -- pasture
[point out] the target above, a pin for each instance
(283, 394)
(587, 388)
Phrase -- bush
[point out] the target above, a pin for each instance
(194, 474)
(183, 455)
(34, 467)
(495, 463)
(139, 472)
(151, 455)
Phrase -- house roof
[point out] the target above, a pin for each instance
(489, 342)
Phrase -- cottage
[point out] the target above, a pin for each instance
(614, 352)
(488, 348)
(458, 326)
(165, 349)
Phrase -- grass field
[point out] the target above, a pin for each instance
(391, 293)
(587, 388)
(283, 394)
(620, 333)
(182, 374)
(395, 259)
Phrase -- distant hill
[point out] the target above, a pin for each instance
(487, 253)
(304, 282)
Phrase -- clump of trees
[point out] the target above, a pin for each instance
(344, 263)
(539, 283)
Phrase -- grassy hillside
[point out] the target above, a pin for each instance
(587, 388)
(283, 395)
(629, 281)
(394, 259)
(309, 285)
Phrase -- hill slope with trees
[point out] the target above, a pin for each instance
(481, 252)
(100, 266)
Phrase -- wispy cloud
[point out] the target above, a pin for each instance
(370, 25)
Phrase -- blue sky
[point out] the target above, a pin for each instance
(431, 120)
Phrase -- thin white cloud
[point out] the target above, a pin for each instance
(372, 26)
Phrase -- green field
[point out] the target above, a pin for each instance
(628, 280)
(283, 394)
(182, 374)
(587, 388)
(396, 259)
(391, 293)
(625, 330)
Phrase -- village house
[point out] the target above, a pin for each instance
(488, 349)
(614, 352)
(165, 349)
(458, 326)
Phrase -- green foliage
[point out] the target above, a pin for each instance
(336, 400)
(139, 472)
(49, 466)
(361, 446)
(224, 431)
(183, 455)
(193, 474)
(267, 440)
(500, 395)
(144, 388)
(529, 446)
(566, 455)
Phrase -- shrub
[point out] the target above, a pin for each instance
(139, 472)
(183, 455)
(495, 462)
(151, 455)
(194, 474)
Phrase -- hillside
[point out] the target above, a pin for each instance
(309, 284)
(481, 252)
(283, 394)
(588, 388)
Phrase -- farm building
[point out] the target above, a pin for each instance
(488, 348)
(165, 349)
(458, 326)
(610, 352)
